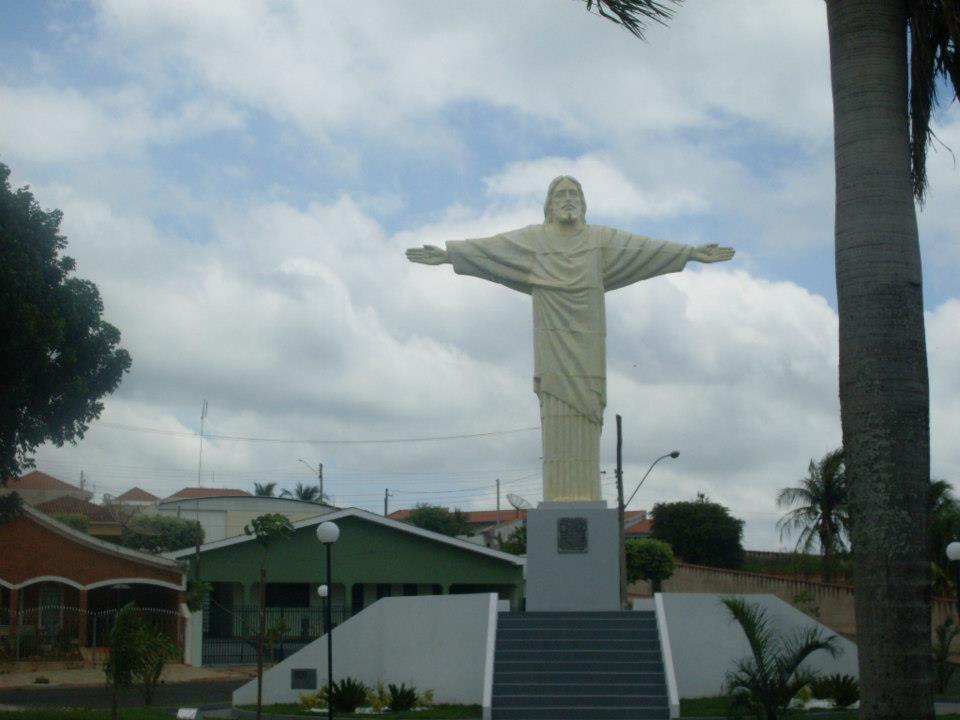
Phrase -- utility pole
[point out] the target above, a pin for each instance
(498, 501)
(203, 416)
(320, 479)
(620, 513)
(386, 498)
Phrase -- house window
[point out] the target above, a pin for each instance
(409, 589)
(288, 595)
(356, 598)
(383, 590)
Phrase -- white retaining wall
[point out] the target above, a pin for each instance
(706, 641)
(436, 642)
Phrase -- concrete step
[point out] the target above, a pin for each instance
(583, 656)
(537, 675)
(560, 712)
(584, 701)
(511, 689)
(565, 633)
(577, 666)
(580, 645)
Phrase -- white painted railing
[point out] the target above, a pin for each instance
(673, 696)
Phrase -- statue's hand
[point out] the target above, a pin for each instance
(712, 253)
(428, 255)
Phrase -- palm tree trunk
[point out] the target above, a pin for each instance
(826, 548)
(884, 397)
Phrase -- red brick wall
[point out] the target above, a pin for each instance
(29, 550)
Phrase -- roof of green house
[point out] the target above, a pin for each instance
(368, 517)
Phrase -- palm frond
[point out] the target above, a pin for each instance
(934, 27)
(632, 14)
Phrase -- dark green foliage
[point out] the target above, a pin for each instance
(123, 656)
(631, 14)
(77, 521)
(765, 683)
(439, 520)
(155, 649)
(160, 533)
(138, 652)
(60, 358)
(843, 689)
(945, 633)
(265, 489)
(944, 528)
(269, 527)
(516, 542)
(307, 493)
(649, 560)
(11, 505)
(197, 592)
(402, 698)
(700, 532)
(347, 695)
(821, 513)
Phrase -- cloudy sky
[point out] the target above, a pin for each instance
(241, 178)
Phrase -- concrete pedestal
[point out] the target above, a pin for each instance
(572, 557)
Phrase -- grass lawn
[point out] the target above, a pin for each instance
(55, 714)
(436, 712)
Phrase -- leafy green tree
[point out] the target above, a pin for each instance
(516, 542)
(123, 657)
(822, 515)
(265, 489)
(77, 521)
(267, 529)
(650, 560)
(60, 357)
(944, 528)
(439, 520)
(11, 505)
(766, 682)
(700, 532)
(154, 650)
(160, 533)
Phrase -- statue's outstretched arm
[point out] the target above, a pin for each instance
(428, 255)
(712, 253)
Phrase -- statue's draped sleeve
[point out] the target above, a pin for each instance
(506, 259)
(628, 258)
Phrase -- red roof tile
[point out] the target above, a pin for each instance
(36, 480)
(136, 494)
(202, 492)
(69, 504)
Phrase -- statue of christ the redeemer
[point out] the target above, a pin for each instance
(566, 266)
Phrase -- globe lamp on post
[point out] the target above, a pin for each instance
(328, 533)
(953, 554)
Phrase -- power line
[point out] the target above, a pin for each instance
(288, 441)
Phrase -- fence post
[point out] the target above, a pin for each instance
(93, 652)
(19, 624)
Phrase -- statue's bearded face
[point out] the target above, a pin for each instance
(566, 203)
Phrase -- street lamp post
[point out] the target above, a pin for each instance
(328, 533)
(622, 509)
(953, 554)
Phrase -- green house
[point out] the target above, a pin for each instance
(374, 557)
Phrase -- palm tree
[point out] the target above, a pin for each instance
(944, 528)
(884, 393)
(766, 682)
(307, 493)
(822, 515)
(265, 489)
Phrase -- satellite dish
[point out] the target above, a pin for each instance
(518, 502)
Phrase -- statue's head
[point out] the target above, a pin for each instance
(562, 186)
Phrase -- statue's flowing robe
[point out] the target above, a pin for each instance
(567, 276)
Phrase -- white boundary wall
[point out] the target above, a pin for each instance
(706, 641)
(434, 642)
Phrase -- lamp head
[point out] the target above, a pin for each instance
(322, 591)
(953, 550)
(675, 454)
(328, 532)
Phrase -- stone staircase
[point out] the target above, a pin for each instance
(578, 666)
